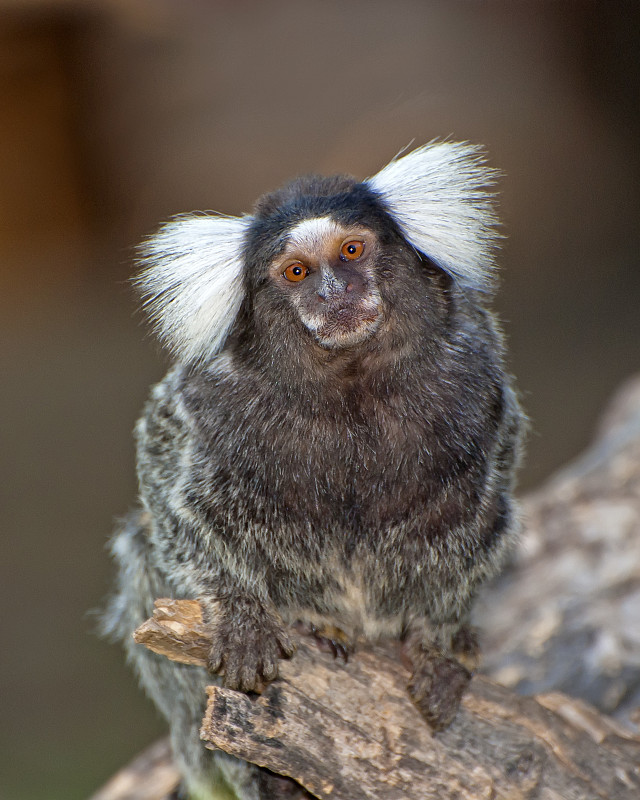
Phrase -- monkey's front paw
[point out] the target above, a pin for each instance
(247, 642)
(436, 687)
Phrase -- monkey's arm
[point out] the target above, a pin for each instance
(192, 554)
(440, 644)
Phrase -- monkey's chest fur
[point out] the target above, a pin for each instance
(352, 508)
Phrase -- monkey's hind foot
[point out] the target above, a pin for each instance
(329, 639)
(436, 686)
(247, 642)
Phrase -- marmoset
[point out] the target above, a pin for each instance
(336, 442)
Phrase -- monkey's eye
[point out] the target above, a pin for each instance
(296, 272)
(351, 250)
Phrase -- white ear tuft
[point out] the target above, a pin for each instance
(192, 282)
(438, 196)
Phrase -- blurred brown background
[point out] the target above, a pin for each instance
(115, 114)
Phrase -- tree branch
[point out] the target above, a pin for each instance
(351, 732)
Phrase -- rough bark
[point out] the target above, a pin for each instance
(566, 615)
(350, 731)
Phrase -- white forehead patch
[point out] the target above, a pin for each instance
(313, 234)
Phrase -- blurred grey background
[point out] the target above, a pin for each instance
(116, 114)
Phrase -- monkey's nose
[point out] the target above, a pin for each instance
(332, 286)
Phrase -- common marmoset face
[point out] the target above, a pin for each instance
(322, 257)
(327, 271)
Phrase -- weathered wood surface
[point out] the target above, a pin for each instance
(350, 731)
(151, 776)
(566, 615)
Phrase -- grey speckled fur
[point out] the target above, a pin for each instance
(362, 482)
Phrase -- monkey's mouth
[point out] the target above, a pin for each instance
(345, 326)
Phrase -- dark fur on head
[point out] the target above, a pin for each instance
(415, 292)
(365, 486)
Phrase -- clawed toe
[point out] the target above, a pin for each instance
(328, 638)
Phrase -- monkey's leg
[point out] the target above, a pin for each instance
(466, 648)
(178, 690)
(442, 664)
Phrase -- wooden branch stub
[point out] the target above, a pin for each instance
(176, 631)
(350, 732)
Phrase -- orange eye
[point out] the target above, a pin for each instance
(296, 272)
(351, 250)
